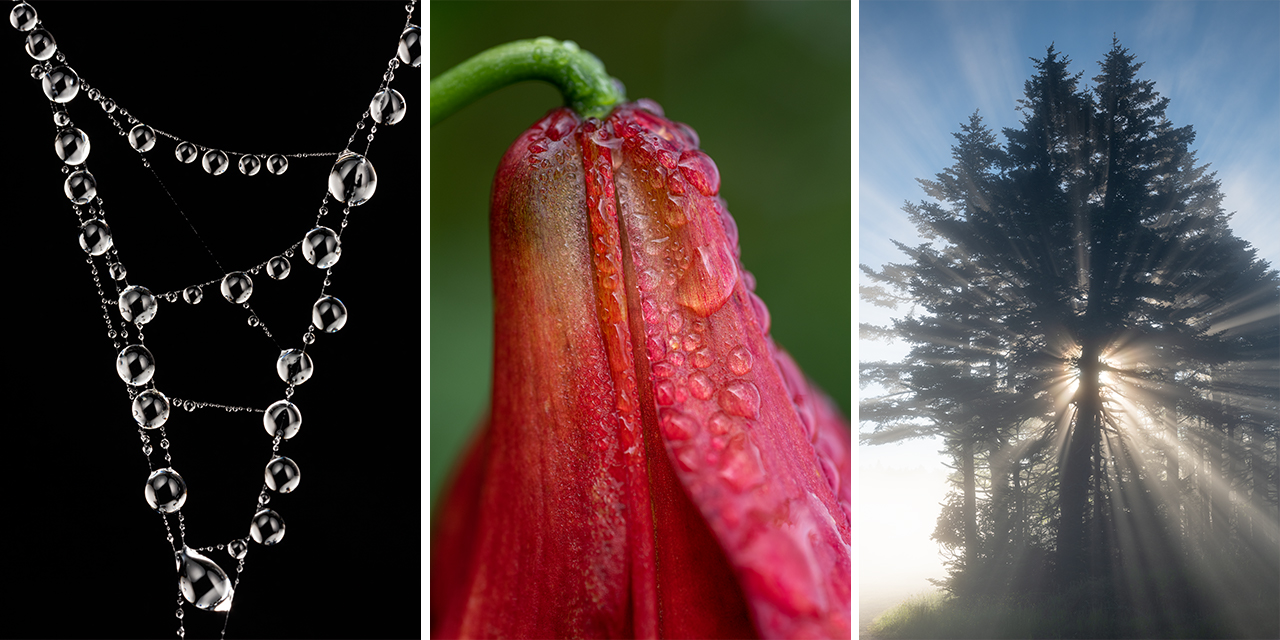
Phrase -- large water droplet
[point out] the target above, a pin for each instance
(707, 286)
(135, 365)
(23, 17)
(701, 386)
(186, 152)
(328, 314)
(739, 360)
(282, 475)
(203, 583)
(61, 84)
(165, 491)
(740, 464)
(80, 187)
(353, 179)
(237, 287)
(95, 237)
(137, 305)
(214, 162)
(294, 366)
(677, 426)
(282, 415)
(278, 268)
(40, 44)
(321, 247)
(151, 409)
(740, 398)
(72, 146)
(700, 170)
(387, 107)
(267, 527)
(410, 49)
(142, 137)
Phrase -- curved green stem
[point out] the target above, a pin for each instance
(587, 87)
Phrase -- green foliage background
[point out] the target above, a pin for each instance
(767, 87)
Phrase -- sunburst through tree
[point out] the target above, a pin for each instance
(1100, 353)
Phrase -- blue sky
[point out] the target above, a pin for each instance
(925, 66)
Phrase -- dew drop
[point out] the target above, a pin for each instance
(663, 370)
(709, 283)
(739, 360)
(740, 398)
(701, 172)
(664, 392)
(676, 425)
(701, 386)
(701, 358)
(740, 464)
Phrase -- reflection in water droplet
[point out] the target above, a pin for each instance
(352, 179)
(278, 268)
(282, 475)
(709, 283)
(701, 171)
(294, 366)
(142, 137)
(137, 305)
(80, 187)
(214, 162)
(267, 527)
(702, 358)
(237, 287)
(677, 426)
(321, 247)
(700, 385)
(203, 583)
(740, 464)
(72, 146)
(237, 548)
(135, 365)
(151, 409)
(61, 84)
(165, 491)
(740, 398)
(192, 294)
(250, 165)
(739, 360)
(282, 415)
(664, 391)
(186, 152)
(328, 314)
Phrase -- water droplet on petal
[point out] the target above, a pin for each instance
(740, 464)
(677, 426)
(664, 392)
(701, 172)
(739, 360)
(740, 398)
(702, 358)
(701, 386)
(707, 286)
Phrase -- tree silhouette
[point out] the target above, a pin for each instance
(1082, 309)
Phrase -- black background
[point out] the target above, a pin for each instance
(86, 556)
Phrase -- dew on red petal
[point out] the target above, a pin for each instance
(740, 398)
(675, 322)
(832, 476)
(562, 124)
(655, 349)
(702, 358)
(701, 386)
(676, 425)
(761, 312)
(537, 147)
(739, 360)
(648, 279)
(740, 464)
(663, 369)
(721, 423)
(651, 106)
(710, 280)
(689, 134)
(701, 172)
(677, 359)
(664, 391)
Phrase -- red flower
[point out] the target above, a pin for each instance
(652, 465)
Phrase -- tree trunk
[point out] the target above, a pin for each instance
(1074, 477)
(970, 504)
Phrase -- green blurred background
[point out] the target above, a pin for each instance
(767, 87)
